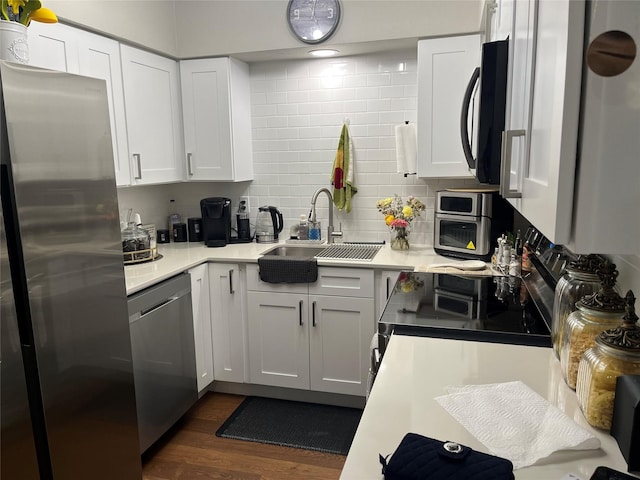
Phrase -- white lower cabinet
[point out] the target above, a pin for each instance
(202, 325)
(228, 321)
(302, 339)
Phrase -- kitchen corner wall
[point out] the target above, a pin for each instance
(298, 108)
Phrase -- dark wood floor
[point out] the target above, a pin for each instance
(191, 451)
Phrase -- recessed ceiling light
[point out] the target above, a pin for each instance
(324, 52)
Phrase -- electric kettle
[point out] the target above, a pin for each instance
(268, 224)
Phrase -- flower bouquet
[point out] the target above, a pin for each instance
(408, 282)
(398, 217)
(23, 11)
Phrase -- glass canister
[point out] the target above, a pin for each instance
(595, 313)
(136, 243)
(581, 279)
(616, 352)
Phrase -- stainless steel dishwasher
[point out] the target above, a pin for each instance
(164, 361)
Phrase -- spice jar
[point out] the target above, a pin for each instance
(595, 313)
(581, 279)
(136, 243)
(616, 352)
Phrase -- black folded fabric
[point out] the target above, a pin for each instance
(288, 270)
(424, 458)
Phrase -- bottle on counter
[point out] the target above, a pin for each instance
(303, 228)
(514, 266)
(594, 314)
(616, 352)
(174, 217)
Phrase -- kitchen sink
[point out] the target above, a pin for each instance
(336, 251)
(295, 251)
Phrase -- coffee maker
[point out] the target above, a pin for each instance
(216, 221)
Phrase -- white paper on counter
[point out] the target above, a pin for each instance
(514, 422)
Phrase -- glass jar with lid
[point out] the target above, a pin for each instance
(616, 352)
(595, 313)
(581, 279)
(136, 243)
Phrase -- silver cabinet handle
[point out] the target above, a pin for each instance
(313, 314)
(505, 170)
(189, 165)
(300, 313)
(231, 290)
(136, 157)
(387, 295)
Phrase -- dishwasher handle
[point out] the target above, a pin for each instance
(167, 301)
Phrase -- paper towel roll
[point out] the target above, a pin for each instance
(406, 148)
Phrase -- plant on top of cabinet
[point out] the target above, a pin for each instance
(216, 110)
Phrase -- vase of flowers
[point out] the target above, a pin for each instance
(15, 16)
(398, 216)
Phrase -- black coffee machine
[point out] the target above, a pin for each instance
(216, 221)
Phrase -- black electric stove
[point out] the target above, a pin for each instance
(498, 309)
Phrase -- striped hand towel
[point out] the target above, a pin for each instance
(343, 172)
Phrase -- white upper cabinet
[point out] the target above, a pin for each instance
(540, 144)
(152, 99)
(68, 49)
(216, 110)
(445, 67)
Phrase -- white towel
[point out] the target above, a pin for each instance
(406, 148)
(514, 422)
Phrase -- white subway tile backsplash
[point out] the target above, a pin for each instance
(276, 97)
(379, 105)
(275, 122)
(367, 93)
(287, 85)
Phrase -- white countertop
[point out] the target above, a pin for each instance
(178, 257)
(415, 370)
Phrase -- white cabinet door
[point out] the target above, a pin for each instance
(217, 119)
(339, 340)
(543, 107)
(278, 339)
(519, 97)
(152, 99)
(445, 67)
(53, 46)
(548, 179)
(228, 316)
(99, 57)
(202, 325)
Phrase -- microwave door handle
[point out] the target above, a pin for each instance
(464, 117)
(505, 164)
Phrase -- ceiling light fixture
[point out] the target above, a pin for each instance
(326, 52)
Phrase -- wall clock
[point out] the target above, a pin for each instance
(313, 21)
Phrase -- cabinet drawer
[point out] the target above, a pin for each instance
(345, 282)
(254, 283)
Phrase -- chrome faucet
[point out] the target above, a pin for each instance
(312, 214)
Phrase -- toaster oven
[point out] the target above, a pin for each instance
(468, 223)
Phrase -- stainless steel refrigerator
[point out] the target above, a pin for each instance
(67, 392)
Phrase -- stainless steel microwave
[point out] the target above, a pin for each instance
(468, 223)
